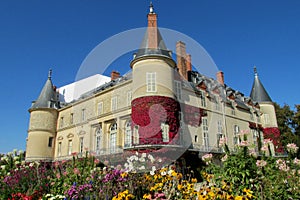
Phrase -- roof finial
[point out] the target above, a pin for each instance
(255, 71)
(151, 8)
(49, 73)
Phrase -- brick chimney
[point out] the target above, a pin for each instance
(152, 29)
(114, 75)
(220, 77)
(188, 62)
(181, 58)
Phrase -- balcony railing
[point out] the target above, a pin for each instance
(202, 148)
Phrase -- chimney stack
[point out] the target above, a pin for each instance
(188, 62)
(181, 58)
(220, 77)
(152, 29)
(114, 75)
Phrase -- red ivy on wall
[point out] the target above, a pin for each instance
(151, 111)
(273, 133)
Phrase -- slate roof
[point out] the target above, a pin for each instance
(161, 50)
(258, 92)
(214, 88)
(48, 97)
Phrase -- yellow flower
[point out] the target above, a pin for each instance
(147, 196)
(129, 197)
(194, 180)
(248, 192)
(229, 197)
(124, 174)
(211, 194)
(239, 198)
(179, 186)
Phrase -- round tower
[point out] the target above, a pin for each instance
(42, 125)
(267, 109)
(155, 109)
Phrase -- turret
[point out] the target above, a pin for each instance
(42, 125)
(260, 95)
(154, 105)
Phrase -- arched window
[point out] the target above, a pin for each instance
(113, 138)
(128, 135)
(98, 141)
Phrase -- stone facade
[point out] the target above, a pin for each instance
(102, 121)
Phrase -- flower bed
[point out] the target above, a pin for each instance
(242, 175)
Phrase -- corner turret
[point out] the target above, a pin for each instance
(42, 125)
(260, 95)
(154, 103)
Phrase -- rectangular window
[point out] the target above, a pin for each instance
(70, 144)
(236, 130)
(59, 149)
(196, 138)
(98, 139)
(220, 132)
(151, 81)
(202, 98)
(136, 135)
(113, 142)
(81, 145)
(165, 132)
(61, 122)
(177, 85)
(114, 103)
(100, 108)
(267, 118)
(205, 132)
(71, 118)
(129, 98)
(182, 127)
(255, 138)
(50, 142)
(82, 114)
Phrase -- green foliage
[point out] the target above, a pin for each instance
(267, 177)
(289, 124)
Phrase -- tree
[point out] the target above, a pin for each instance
(288, 124)
(285, 123)
(296, 120)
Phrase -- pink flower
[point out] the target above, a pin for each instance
(207, 158)
(96, 161)
(224, 158)
(281, 164)
(223, 141)
(292, 148)
(264, 148)
(56, 164)
(106, 162)
(296, 161)
(267, 142)
(58, 176)
(74, 153)
(244, 144)
(76, 171)
(261, 163)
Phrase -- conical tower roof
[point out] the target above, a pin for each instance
(153, 43)
(48, 96)
(258, 92)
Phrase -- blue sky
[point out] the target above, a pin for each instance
(38, 35)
